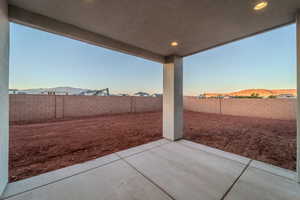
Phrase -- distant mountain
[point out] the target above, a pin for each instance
(249, 92)
(142, 94)
(263, 92)
(69, 90)
(285, 91)
(214, 94)
(260, 92)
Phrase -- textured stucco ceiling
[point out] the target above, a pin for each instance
(152, 24)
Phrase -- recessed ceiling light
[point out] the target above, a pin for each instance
(174, 44)
(260, 5)
(88, 1)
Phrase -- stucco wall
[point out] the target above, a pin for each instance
(265, 108)
(42, 107)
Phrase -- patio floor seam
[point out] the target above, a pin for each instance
(159, 145)
(270, 172)
(149, 179)
(75, 174)
(214, 153)
(259, 168)
(236, 180)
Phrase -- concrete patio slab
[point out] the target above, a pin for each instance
(113, 181)
(141, 148)
(57, 175)
(215, 151)
(161, 170)
(186, 173)
(54, 176)
(274, 169)
(259, 184)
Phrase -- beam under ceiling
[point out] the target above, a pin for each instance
(27, 18)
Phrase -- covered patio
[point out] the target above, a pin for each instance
(164, 32)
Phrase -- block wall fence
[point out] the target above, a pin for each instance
(284, 109)
(47, 107)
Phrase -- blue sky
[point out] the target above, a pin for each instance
(39, 59)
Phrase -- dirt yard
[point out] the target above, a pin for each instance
(42, 147)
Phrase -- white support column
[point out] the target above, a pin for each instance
(173, 99)
(4, 64)
(298, 94)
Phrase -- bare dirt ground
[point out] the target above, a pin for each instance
(41, 147)
(268, 140)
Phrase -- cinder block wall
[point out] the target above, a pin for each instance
(43, 107)
(266, 108)
(77, 106)
(59, 107)
(146, 104)
(31, 107)
(202, 105)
